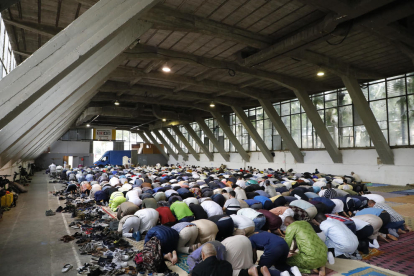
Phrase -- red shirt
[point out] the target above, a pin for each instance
(166, 215)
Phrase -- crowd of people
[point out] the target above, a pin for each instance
(221, 217)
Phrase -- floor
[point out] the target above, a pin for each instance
(31, 242)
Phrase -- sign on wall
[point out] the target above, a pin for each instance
(103, 134)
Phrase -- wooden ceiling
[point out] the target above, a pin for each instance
(229, 51)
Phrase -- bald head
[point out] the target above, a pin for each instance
(289, 220)
(208, 250)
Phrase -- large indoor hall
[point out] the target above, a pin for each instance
(206, 137)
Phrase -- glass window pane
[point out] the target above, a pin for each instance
(285, 109)
(411, 117)
(376, 91)
(344, 98)
(361, 137)
(295, 129)
(345, 116)
(346, 137)
(330, 100)
(379, 108)
(410, 84)
(397, 116)
(396, 87)
(295, 107)
(331, 122)
(318, 102)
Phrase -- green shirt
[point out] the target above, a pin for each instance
(180, 210)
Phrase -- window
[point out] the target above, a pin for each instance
(7, 59)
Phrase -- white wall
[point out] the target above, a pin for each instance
(363, 162)
(69, 147)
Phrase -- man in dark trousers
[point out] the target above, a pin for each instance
(211, 266)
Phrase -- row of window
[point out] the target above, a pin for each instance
(7, 59)
(391, 100)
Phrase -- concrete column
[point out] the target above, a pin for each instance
(165, 143)
(34, 124)
(281, 128)
(143, 137)
(212, 138)
(227, 130)
(200, 143)
(319, 125)
(68, 55)
(362, 107)
(253, 132)
(190, 148)
(155, 143)
(175, 143)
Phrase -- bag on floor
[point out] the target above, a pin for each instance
(6, 200)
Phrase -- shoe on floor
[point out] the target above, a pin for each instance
(295, 271)
(285, 273)
(66, 268)
(50, 213)
(331, 258)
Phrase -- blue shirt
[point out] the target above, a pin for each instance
(370, 211)
(261, 199)
(268, 242)
(250, 202)
(181, 225)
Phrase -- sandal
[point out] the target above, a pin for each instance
(66, 268)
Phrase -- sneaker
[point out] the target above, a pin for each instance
(295, 271)
(285, 273)
(50, 213)
(331, 258)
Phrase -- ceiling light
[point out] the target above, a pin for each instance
(164, 120)
(116, 102)
(320, 73)
(166, 68)
(88, 125)
(212, 104)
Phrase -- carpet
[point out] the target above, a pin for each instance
(404, 192)
(386, 194)
(367, 271)
(182, 262)
(398, 256)
(390, 188)
(402, 199)
(376, 185)
(373, 252)
(406, 210)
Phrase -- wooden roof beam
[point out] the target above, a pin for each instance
(336, 66)
(124, 72)
(169, 19)
(148, 52)
(41, 29)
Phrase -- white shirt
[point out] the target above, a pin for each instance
(241, 183)
(211, 208)
(114, 181)
(249, 212)
(357, 177)
(52, 168)
(241, 222)
(240, 193)
(149, 218)
(339, 206)
(339, 236)
(59, 168)
(133, 196)
(190, 200)
(359, 223)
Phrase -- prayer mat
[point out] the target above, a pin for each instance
(402, 199)
(182, 262)
(373, 252)
(405, 192)
(406, 210)
(388, 189)
(328, 272)
(387, 195)
(367, 271)
(138, 245)
(376, 185)
(398, 255)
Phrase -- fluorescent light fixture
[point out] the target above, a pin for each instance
(116, 102)
(212, 104)
(320, 73)
(88, 125)
(164, 120)
(166, 68)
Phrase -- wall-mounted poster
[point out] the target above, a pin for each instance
(103, 134)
